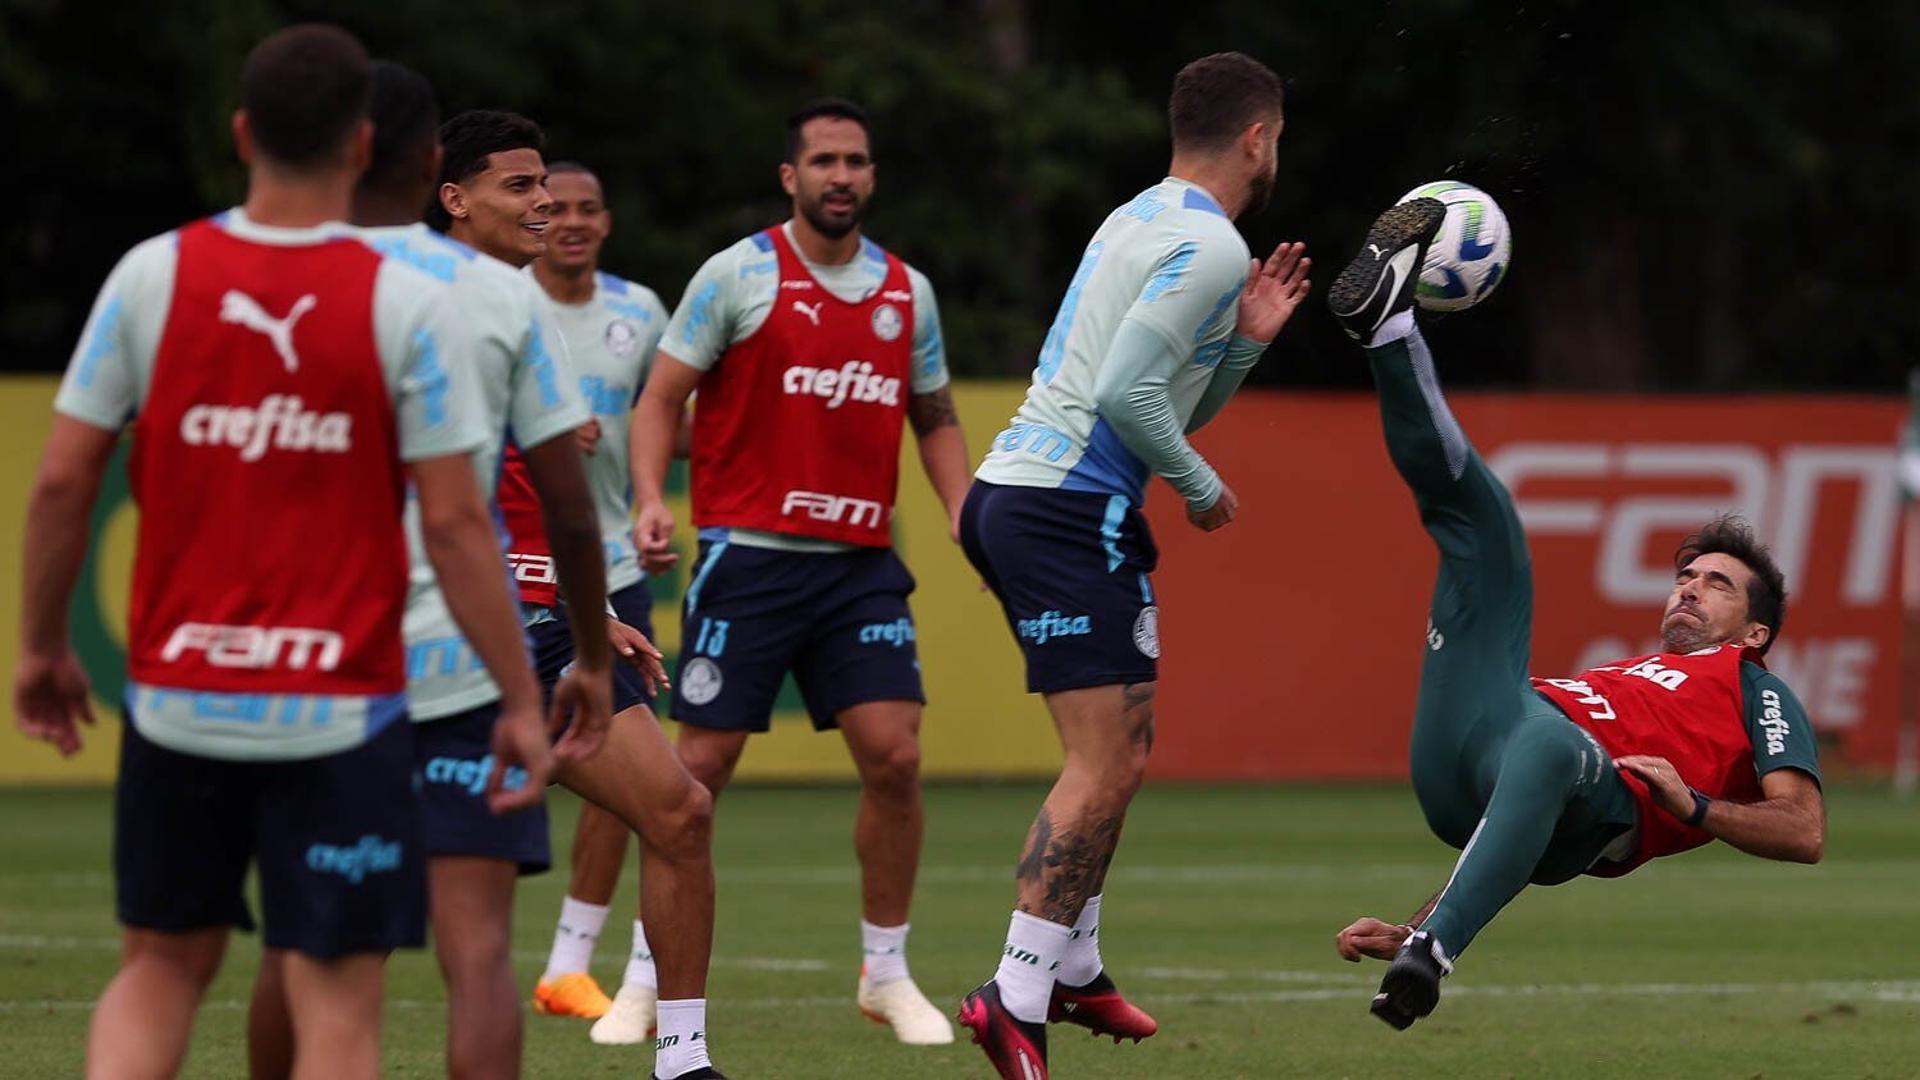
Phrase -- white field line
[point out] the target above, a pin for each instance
(1896, 991)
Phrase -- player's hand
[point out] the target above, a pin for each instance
(1669, 792)
(653, 531)
(633, 646)
(655, 560)
(1273, 290)
(1369, 936)
(519, 744)
(587, 436)
(50, 698)
(1217, 515)
(583, 706)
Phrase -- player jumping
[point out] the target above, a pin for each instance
(812, 347)
(1541, 780)
(276, 375)
(1161, 322)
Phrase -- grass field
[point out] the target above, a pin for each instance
(1220, 916)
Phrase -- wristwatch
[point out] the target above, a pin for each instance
(1700, 804)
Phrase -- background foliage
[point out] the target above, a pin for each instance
(1711, 195)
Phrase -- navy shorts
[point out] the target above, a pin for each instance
(552, 641)
(837, 620)
(1071, 569)
(456, 757)
(337, 841)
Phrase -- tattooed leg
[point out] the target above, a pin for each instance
(1106, 732)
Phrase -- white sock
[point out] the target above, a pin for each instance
(681, 1046)
(1396, 327)
(640, 961)
(886, 952)
(1081, 962)
(574, 937)
(1028, 964)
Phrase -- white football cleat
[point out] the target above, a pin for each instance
(631, 1019)
(901, 1006)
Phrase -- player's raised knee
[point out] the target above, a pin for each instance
(684, 829)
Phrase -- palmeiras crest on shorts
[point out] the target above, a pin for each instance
(887, 323)
(1146, 632)
(622, 340)
(700, 682)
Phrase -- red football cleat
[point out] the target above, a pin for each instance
(1018, 1049)
(1099, 1007)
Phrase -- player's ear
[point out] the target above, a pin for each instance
(242, 137)
(789, 178)
(360, 146)
(1758, 634)
(453, 201)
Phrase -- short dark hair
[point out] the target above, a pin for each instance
(1216, 97)
(1767, 592)
(467, 140)
(838, 108)
(555, 168)
(405, 119)
(304, 90)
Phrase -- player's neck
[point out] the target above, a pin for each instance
(376, 209)
(1209, 174)
(297, 200)
(565, 286)
(820, 249)
(465, 233)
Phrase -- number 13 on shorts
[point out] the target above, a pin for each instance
(712, 638)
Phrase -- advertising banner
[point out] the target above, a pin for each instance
(1292, 639)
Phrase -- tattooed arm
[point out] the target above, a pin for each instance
(943, 449)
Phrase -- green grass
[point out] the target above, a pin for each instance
(1220, 919)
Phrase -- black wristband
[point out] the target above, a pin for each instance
(1700, 804)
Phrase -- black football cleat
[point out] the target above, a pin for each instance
(1017, 1048)
(1411, 987)
(704, 1072)
(1380, 280)
(1099, 1007)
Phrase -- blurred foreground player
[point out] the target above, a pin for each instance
(1541, 780)
(812, 348)
(1161, 322)
(612, 327)
(281, 379)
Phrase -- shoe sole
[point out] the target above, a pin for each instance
(1408, 223)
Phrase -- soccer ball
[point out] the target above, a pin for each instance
(1470, 253)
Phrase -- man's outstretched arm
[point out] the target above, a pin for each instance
(1368, 936)
(1789, 824)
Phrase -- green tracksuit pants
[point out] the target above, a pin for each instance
(1499, 771)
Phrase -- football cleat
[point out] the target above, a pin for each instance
(1411, 987)
(901, 1006)
(632, 1019)
(1018, 1049)
(1380, 281)
(572, 994)
(1099, 1007)
(704, 1072)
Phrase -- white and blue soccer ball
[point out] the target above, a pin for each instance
(1469, 255)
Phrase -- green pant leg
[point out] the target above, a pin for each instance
(1556, 804)
(1473, 678)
